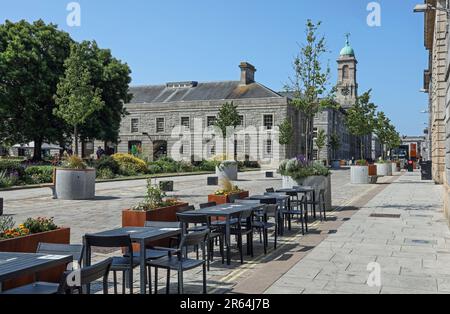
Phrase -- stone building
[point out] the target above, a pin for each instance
(436, 84)
(157, 112)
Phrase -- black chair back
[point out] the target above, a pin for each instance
(208, 205)
(194, 239)
(87, 276)
(76, 250)
(121, 241)
(270, 190)
(192, 219)
(271, 211)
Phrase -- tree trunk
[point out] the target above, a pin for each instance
(361, 147)
(37, 152)
(307, 140)
(75, 135)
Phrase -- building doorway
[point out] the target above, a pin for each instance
(159, 149)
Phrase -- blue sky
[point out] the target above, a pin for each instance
(204, 40)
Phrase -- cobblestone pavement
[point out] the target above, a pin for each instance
(255, 276)
(412, 249)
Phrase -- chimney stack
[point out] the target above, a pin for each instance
(247, 73)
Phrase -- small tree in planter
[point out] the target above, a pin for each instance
(361, 122)
(76, 99)
(298, 172)
(389, 138)
(335, 144)
(155, 207)
(321, 142)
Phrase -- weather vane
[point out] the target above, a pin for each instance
(347, 35)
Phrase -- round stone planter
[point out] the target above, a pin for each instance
(384, 170)
(74, 184)
(395, 167)
(336, 164)
(316, 182)
(359, 175)
(228, 170)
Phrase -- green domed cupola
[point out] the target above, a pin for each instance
(347, 50)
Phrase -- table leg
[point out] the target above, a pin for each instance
(1, 288)
(314, 204)
(228, 240)
(143, 270)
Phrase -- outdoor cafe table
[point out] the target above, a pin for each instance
(226, 211)
(16, 265)
(142, 236)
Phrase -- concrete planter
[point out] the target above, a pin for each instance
(74, 184)
(336, 164)
(228, 170)
(359, 175)
(316, 182)
(384, 170)
(395, 167)
(29, 244)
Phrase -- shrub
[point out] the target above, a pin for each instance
(74, 162)
(105, 174)
(154, 169)
(130, 165)
(154, 199)
(39, 174)
(6, 223)
(167, 166)
(107, 162)
(40, 225)
(12, 166)
(299, 169)
(209, 165)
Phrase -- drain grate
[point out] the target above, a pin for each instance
(393, 216)
(421, 242)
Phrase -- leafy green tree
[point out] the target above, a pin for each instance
(286, 132)
(321, 142)
(31, 64)
(228, 117)
(361, 120)
(394, 140)
(76, 98)
(335, 144)
(308, 87)
(112, 78)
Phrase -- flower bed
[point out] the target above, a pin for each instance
(26, 238)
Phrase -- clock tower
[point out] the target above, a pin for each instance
(347, 86)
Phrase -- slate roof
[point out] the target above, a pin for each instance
(231, 90)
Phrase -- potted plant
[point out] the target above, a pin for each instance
(74, 180)
(155, 207)
(298, 172)
(26, 237)
(359, 172)
(384, 168)
(222, 196)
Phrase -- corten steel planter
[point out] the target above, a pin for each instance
(132, 218)
(373, 170)
(71, 184)
(225, 199)
(384, 170)
(360, 175)
(316, 182)
(29, 244)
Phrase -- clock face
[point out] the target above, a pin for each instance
(345, 91)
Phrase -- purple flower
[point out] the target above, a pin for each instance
(302, 160)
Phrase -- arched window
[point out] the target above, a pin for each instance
(345, 72)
